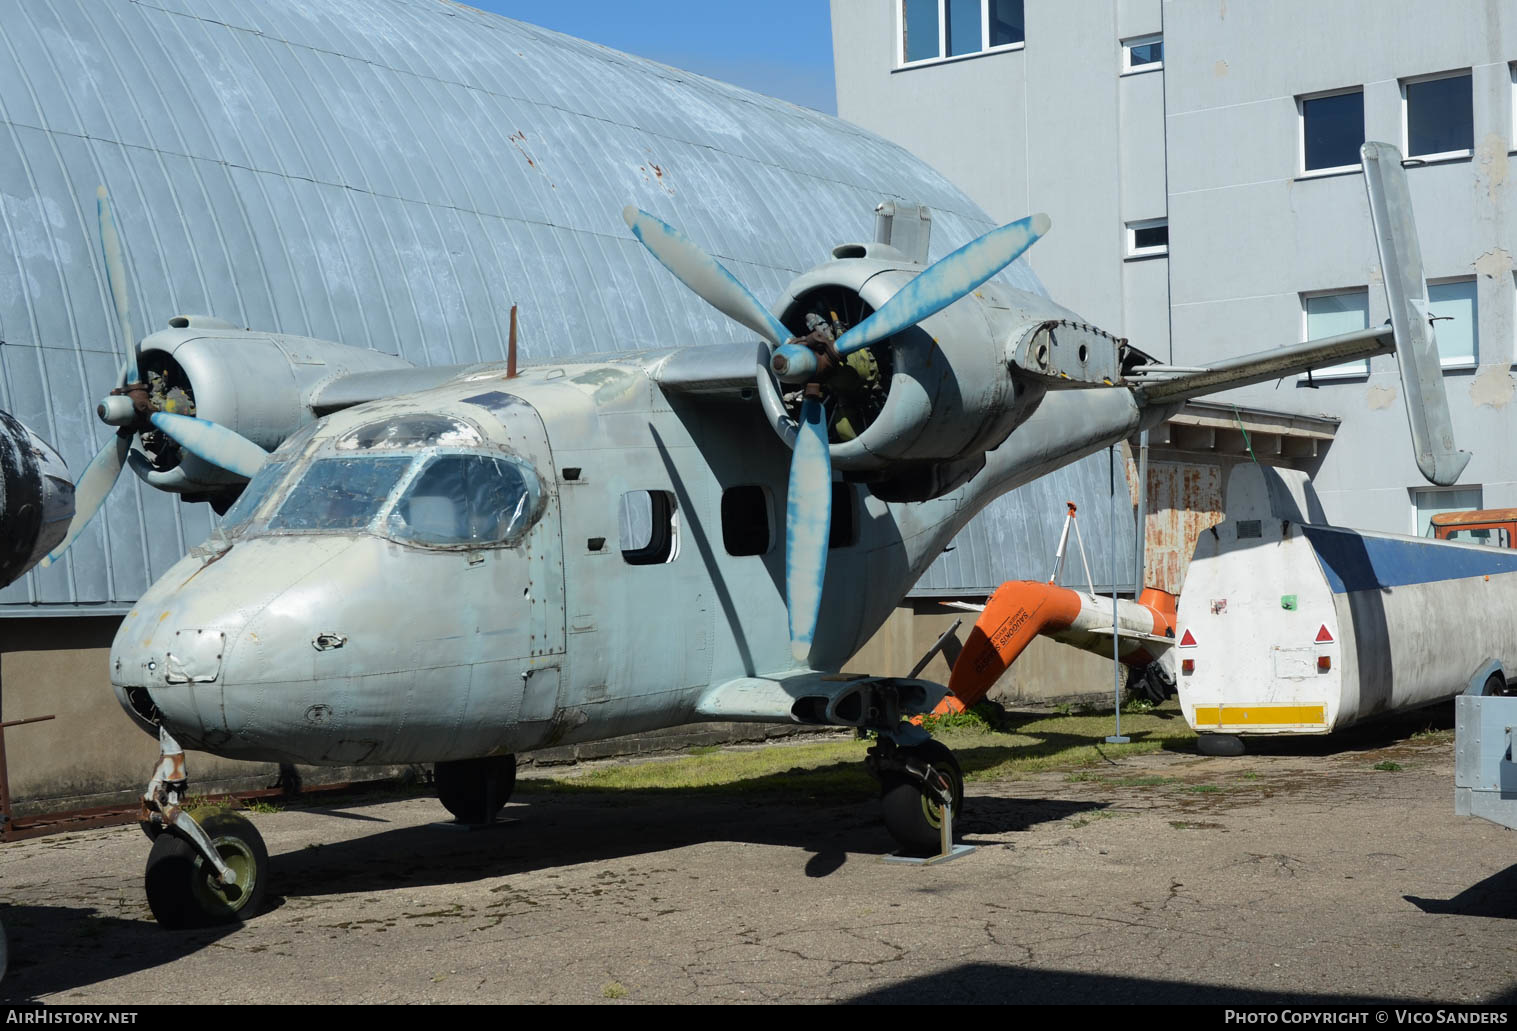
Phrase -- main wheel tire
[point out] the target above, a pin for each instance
(914, 817)
(183, 889)
(475, 790)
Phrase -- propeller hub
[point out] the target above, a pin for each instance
(117, 410)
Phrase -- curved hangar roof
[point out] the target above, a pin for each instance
(396, 173)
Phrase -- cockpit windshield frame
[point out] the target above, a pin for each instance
(292, 465)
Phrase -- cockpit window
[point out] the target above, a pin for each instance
(253, 495)
(340, 493)
(467, 499)
(410, 431)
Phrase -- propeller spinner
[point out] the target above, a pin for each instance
(809, 362)
(131, 410)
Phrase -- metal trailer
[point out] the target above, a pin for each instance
(1485, 777)
(1291, 626)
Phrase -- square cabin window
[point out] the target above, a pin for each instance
(1438, 116)
(1332, 131)
(1143, 54)
(1454, 306)
(1329, 314)
(745, 520)
(648, 521)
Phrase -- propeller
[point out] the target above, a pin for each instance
(808, 514)
(130, 409)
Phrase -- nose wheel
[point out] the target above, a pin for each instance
(185, 890)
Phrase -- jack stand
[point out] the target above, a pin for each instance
(949, 849)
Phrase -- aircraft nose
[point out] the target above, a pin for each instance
(189, 652)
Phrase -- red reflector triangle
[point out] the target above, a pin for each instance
(1323, 637)
(1188, 641)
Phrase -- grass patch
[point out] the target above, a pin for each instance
(261, 806)
(1000, 745)
(1203, 789)
(614, 990)
(1387, 766)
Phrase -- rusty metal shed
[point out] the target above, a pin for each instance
(395, 174)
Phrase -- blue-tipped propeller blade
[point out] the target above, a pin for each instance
(213, 443)
(703, 274)
(946, 282)
(808, 523)
(115, 275)
(92, 490)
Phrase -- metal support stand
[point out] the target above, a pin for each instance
(945, 839)
(1116, 628)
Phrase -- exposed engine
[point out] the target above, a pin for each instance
(36, 499)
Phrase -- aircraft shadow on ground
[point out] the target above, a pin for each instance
(57, 948)
(994, 983)
(564, 829)
(1495, 897)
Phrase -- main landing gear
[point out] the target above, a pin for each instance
(475, 790)
(922, 790)
(208, 866)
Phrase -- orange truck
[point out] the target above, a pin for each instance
(1495, 527)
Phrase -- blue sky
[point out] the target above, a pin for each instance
(779, 47)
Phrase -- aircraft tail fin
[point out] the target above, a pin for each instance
(1410, 334)
(1427, 406)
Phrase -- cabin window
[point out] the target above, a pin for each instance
(1331, 130)
(745, 520)
(340, 493)
(466, 500)
(648, 521)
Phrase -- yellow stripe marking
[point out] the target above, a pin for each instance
(1260, 715)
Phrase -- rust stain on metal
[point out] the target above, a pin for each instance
(1184, 501)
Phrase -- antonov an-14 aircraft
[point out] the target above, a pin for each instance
(427, 565)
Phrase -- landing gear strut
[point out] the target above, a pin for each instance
(475, 790)
(921, 788)
(208, 866)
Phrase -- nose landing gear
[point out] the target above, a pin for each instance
(206, 867)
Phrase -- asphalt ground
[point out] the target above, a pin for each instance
(1302, 876)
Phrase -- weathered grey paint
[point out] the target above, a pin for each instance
(395, 174)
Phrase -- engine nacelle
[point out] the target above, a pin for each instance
(930, 401)
(260, 385)
(36, 499)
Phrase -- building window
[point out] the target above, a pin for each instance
(1430, 501)
(1143, 54)
(933, 30)
(1148, 238)
(1329, 314)
(1438, 117)
(1331, 130)
(1453, 304)
(649, 527)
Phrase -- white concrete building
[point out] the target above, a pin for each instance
(1199, 159)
